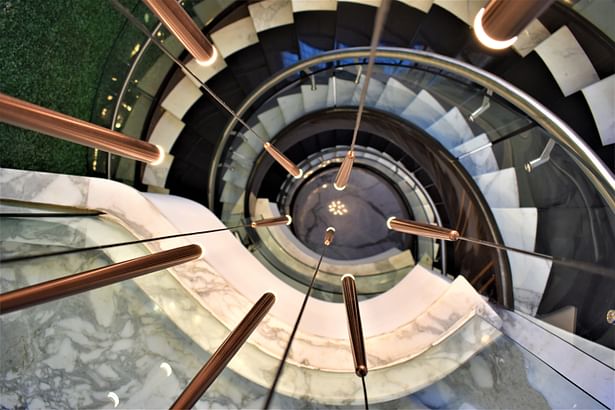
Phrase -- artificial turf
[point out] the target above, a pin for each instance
(52, 53)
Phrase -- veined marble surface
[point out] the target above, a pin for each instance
(567, 61)
(217, 306)
(268, 14)
(339, 92)
(234, 37)
(424, 110)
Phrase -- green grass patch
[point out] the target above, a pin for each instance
(52, 53)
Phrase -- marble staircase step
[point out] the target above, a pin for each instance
(231, 193)
(314, 99)
(451, 129)
(600, 97)
(313, 5)
(182, 97)
(424, 110)
(464, 10)
(292, 107)
(395, 97)
(340, 92)
(476, 156)
(268, 14)
(237, 176)
(374, 90)
(567, 61)
(499, 188)
(257, 140)
(529, 274)
(272, 120)
(235, 36)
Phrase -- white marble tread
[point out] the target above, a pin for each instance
(236, 176)
(272, 120)
(230, 193)
(600, 97)
(234, 37)
(292, 107)
(204, 73)
(395, 97)
(423, 5)
(374, 90)
(207, 10)
(529, 274)
(534, 34)
(269, 14)
(246, 151)
(313, 5)
(339, 92)
(257, 140)
(500, 188)
(156, 175)
(476, 155)
(166, 131)
(183, 96)
(567, 61)
(464, 10)
(424, 110)
(314, 100)
(451, 129)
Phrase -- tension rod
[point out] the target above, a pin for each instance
(281, 220)
(447, 234)
(327, 241)
(343, 174)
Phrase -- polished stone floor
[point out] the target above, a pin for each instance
(358, 214)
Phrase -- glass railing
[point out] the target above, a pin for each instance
(133, 345)
(543, 188)
(132, 79)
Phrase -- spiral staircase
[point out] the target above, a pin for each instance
(442, 142)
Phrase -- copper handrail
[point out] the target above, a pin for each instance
(218, 361)
(95, 278)
(36, 118)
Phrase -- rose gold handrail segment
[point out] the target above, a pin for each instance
(36, 118)
(355, 330)
(218, 361)
(175, 18)
(421, 229)
(95, 278)
(504, 19)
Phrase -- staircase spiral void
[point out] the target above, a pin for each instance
(511, 147)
